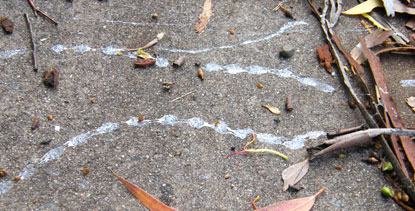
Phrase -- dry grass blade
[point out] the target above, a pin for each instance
(300, 204)
(294, 173)
(204, 17)
(149, 201)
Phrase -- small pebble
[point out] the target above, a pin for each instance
(341, 155)
(287, 51)
(231, 31)
(93, 100)
(227, 176)
(140, 118)
(50, 117)
(154, 16)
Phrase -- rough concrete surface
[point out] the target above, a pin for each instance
(177, 152)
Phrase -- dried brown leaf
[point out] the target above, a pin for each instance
(149, 201)
(204, 16)
(300, 204)
(272, 109)
(294, 173)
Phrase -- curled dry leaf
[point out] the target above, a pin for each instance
(300, 204)
(204, 17)
(272, 109)
(411, 102)
(144, 62)
(294, 173)
(146, 199)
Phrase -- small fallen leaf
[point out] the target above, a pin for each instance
(411, 102)
(364, 7)
(144, 62)
(204, 16)
(146, 199)
(272, 109)
(294, 173)
(300, 204)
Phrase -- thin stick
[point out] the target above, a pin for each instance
(394, 49)
(41, 12)
(47, 16)
(181, 96)
(33, 42)
(33, 7)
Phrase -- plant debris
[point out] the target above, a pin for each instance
(3, 173)
(179, 61)
(35, 124)
(146, 199)
(16, 178)
(204, 17)
(33, 42)
(293, 174)
(259, 85)
(7, 25)
(51, 77)
(288, 104)
(325, 59)
(144, 62)
(36, 10)
(85, 171)
(201, 74)
(257, 150)
(286, 12)
(411, 102)
(272, 109)
(303, 204)
(181, 96)
(167, 85)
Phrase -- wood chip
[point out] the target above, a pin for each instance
(204, 16)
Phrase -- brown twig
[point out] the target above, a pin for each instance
(33, 42)
(345, 131)
(33, 7)
(41, 12)
(394, 49)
